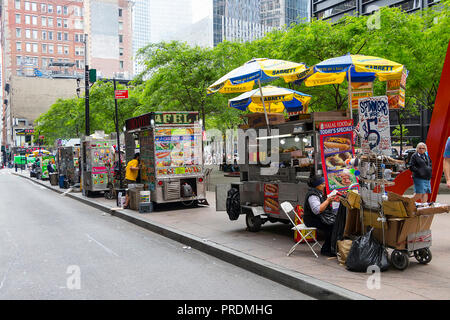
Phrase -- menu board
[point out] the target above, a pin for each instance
(336, 147)
(178, 151)
(271, 204)
(147, 158)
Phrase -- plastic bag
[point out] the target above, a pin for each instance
(367, 251)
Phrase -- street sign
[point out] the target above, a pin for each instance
(121, 94)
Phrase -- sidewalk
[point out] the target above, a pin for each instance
(265, 252)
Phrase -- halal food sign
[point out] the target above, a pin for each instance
(176, 117)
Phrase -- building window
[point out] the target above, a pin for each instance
(66, 36)
(58, 10)
(18, 20)
(43, 7)
(66, 24)
(44, 48)
(44, 21)
(120, 12)
(50, 48)
(120, 38)
(44, 63)
(18, 46)
(78, 24)
(50, 35)
(50, 8)
(34, 6)
(27, 19)
(60, 49)
(34, 20)
(120, 25)
(44, 35)
(121, 64)
(28, 33)
(59, 36)
(18, 33)
(35, 34)
(121, 51)
(50, 22)
(59, 22)
(28, 47)
(27, 5)
(79, 51)
(18, 60)
(66, 50)
(65, 10)
(35, 47)
(17, 4)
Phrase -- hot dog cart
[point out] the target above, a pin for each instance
(263, 187)
(96, 154)
(171, 158)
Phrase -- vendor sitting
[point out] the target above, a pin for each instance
(318, 212)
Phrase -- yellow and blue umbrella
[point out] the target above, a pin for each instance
(243, 78)
(277, 100)
(362, 69)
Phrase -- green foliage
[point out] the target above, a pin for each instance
(176, 75)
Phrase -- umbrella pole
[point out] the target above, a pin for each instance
(350, 91)
(264, 106)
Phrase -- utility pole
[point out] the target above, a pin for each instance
(117, 133)
(86, 89)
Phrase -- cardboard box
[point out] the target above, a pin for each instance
(394, 208)
(134, 195)
(398, 230)
(408, 203)
(370, 218)
(354, 199)
(433, 210)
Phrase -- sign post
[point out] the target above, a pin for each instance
(119, 94)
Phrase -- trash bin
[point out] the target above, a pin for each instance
(61, 181)
(53, 178)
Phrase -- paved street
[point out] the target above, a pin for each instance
(47, 240)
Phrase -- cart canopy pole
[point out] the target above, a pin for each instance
(264, 105)
(118, 136)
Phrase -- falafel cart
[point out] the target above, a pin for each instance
(68, 164)
(275, 168)
(171, 155)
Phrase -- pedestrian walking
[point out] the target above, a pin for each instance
(421, 168)
(447, 162)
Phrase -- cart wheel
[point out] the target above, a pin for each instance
(253, 222)
(109, 195)
(191, 203)
(233, 204)
(400, 259)
(423, 255)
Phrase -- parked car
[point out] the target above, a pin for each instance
(407, 155)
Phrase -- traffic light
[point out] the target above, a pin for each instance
(92, 75)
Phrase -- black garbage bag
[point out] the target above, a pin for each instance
(367, 251)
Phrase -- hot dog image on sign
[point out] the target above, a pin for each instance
(271, 198)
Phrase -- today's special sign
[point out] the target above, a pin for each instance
(374, 125)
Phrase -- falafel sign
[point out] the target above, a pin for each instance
(336, 143)
(374, 125)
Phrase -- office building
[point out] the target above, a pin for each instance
(336, 9)
(279, 13)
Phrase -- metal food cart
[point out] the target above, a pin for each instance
(259, 193)
(68, 164)
(96, 154)
(170, 146)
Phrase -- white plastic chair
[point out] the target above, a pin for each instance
(287, 207)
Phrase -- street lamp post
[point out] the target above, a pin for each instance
(86, 89)
(117, 133)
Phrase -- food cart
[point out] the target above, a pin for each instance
(96, 155)
(68, 164)
(170, 146)
(260, 191)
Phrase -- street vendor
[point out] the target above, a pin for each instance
(131, 174)
(318, 211)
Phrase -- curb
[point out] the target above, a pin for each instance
(305, 284)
